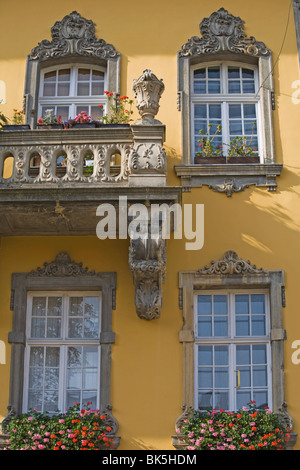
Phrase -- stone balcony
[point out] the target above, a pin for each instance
(124, 160)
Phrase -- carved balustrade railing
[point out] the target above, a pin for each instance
(59, 157)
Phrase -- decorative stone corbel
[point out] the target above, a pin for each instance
(147, 262)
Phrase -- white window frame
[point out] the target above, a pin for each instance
(63, 343)
(232, 341)
(72, 100)
(224, 98)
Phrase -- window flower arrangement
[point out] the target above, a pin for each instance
(18, 117)
(207, 147)
(3, 120)
(248, 429)
(77, 429)
(82, 119)
(120, 109)
(49, 119)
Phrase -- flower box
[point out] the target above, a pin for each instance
(209, 160)
(82, 125)
(245, 159)
(16, 127)
(50, 126)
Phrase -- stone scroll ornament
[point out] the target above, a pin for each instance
(223, 32)
(73, 36)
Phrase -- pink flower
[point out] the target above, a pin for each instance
(61, 420)
(41, 446)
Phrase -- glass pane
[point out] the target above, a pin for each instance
(213, 72)
(38, 306)
(50, 76)
(90, 356)
(36, 356)
(259, 354)
(220, 304)
(38, 327)
(242, 398)
(233, 72)
(52, 356)
(242, 326)
(36, 378)
(205, 356)
(235, 127)
(249, 111)
(53, 328)
(49, 89)
(35, 399)
(248, 73)
(220, 326)
(221, 377)
(75, 327)
(97, 75)
(54, 306)
(91, 306)
(235, 111)
(204, 305)
(248, 86)
(242, 304)
(213, 87)
(200, 111)
(204, 326)
(245, 376)
(64, 75)
(200, 73)
(63, 111)
(63, 89)
(234, 86)
(76, 306)
(221, 400)
(221, 355)
(261, 398)
(91, 327)
(51, 401)
(205, 400)
(90, 396)
(250, 127)
(205, 378)
(90, 379)
(258, 304)
(74, 357)
(72, 397)
(74, 379)
(51, 378)
(260, 377)
(200, 87)
(84, 74)
(83, 89)
(80, 109)
(96, 112)
(97, 88)
(258, 325)
(215, 111)
(243, 355)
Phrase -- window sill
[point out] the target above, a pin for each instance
(230, 178)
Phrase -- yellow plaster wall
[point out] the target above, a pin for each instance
(260, 226)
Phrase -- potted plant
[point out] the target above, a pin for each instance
(82, 120)
(76, 429)
(250, 428)
(3, 120)
(49, 121)
(120, 110)
(209, 152)
(242, 152)
(17, 122)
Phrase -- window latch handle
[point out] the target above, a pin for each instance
(238, 378)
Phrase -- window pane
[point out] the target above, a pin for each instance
(213, 72)
(204, 326)
(200, 87)
(76, 306)
(200, 73)
(235, 111)
(248, 73)
(234, 86)
(233, 72)
(97, 88)
(83, 89)
(221, 378)
(205, 400)
(259, 354)
(243, 355)
(96, 112)
(97, 75)
(200, 111)
(64, 75)
(205, 378)
(204, 305)
(50, 76)
(84, 74)
(249, 111)
(242, 398)
(221, 400)
(220, 326)
(63, 111)
(205, 356)
(213, 87)
(242, 304)
(215, 111)
(221, 355)
(261, 398)
(248, 86)
(49, 89)
(63, 89)
(260, 377)
(39, 306)
(235, 127)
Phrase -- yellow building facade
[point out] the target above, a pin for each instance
(241, 67)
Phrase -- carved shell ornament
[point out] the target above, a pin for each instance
(73, 36)
(230, 264)
(223, 32)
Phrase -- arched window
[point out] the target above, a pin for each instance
(70, 73)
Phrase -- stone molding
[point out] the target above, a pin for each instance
(223, 32)
(73, 36)
(148, 90)
(230, 264)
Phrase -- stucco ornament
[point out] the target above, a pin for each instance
(148, 90)
(147, 262)
(230, 264)
(73, 36)
(223, 32)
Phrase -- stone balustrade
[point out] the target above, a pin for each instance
(131, 155)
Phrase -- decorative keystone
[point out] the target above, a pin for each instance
(148, 90)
